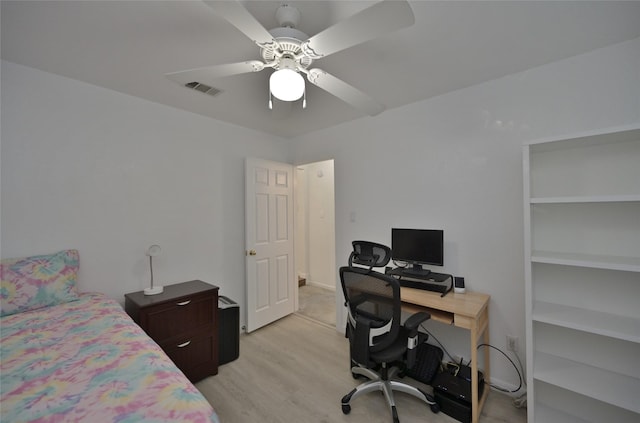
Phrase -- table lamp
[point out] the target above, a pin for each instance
(153, 251)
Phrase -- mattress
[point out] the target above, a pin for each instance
(86, 360)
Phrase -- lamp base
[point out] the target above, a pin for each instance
(153, 291)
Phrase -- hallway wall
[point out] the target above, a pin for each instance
(316, 211)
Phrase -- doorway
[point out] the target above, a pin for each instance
(315, 241)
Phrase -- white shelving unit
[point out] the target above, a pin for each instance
(582, 253)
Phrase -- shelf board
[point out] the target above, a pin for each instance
(613, 388)
(606, 324)
(545, 413)
(586, 199)
(602, 136)
(629, 264)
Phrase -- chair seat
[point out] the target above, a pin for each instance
(395, 352)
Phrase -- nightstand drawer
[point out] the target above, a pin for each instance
(174, 318)
(195, 356)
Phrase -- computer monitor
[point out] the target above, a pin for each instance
(418, 247)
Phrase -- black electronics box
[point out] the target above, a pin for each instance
(228, 330)
(453, 393)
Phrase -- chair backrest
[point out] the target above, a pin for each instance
(371, 254)
(374, 310)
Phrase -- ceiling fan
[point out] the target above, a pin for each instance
(290, 52)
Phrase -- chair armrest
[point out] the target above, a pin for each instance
(412, 323)
(411, 326)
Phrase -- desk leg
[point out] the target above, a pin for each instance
(475, 412)
(487, 363)
(479, 327)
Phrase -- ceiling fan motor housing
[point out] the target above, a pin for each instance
(288, 16)
(289, 41)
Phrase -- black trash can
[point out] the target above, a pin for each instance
(228, 330)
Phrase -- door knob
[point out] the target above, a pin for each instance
(252, 252)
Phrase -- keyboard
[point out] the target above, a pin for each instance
(426, 285)
(438, 277)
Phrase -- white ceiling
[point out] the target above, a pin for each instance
(128, 46)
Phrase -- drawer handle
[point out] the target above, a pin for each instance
(184, 303)
(184, 344)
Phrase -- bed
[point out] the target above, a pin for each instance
(79, 357)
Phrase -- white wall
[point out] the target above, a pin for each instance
(454, 162)
(109, 174)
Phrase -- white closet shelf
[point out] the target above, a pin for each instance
(613, 388)
(584, 139)
(596, 322)
(587, 199)
(548, 414)
(629, 264)
(582, 196)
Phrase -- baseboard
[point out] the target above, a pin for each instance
(507, 386)
(321, 285)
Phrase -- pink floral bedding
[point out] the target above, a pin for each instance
(86, 361)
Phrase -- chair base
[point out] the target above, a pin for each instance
(385, 384)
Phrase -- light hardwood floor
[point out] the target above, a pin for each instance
(318, 304)
(296, 371)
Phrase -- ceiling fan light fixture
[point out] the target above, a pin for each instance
(286, 85)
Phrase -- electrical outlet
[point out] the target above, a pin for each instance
(512, 343)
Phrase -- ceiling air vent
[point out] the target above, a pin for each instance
(202, 88)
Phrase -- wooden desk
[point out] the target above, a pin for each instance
(469, 311)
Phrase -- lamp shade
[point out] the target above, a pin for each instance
(154, 250)
(286, 85)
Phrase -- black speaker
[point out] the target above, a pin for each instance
(458, 284)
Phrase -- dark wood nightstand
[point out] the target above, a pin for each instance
(183, 320)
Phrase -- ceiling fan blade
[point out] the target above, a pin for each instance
(209, 74)
(344, 91)
(375, 21)
(236, 14)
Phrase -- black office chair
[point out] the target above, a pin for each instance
(380, 345)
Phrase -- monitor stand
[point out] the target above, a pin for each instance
(417, 277)
(416, 270)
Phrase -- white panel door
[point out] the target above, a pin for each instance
(269, 241)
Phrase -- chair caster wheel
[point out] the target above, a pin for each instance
(346, 409)
(435, 408)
